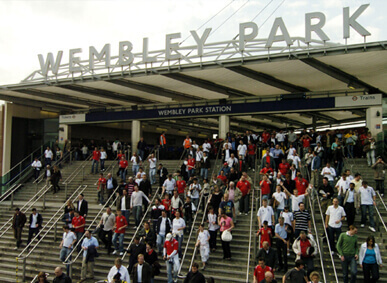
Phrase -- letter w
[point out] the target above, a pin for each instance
(50, 64)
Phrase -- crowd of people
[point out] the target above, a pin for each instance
(291, 166)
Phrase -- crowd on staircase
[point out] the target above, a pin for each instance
(291, 165)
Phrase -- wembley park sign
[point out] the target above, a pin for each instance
(246, 44)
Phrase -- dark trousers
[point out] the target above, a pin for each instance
(213, 239)
(17, 233)
(349, 261)
(244, 204)
(106, 238)
(308, 264)
(55, 185)
(282, 254)
(79, 242)
(225, 247)
(380, 186)
(331, 235)
(31, 233)
(371, 272)
(36, 173)
(350, 211)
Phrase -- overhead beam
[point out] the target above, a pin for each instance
(340, 75)
(178, 96)
(267, 79)
(60, 97)
(253, 124)
(319, 116)
(207, 85)
(283, 120)
(358, 112)
(38, 103)
(119, 97)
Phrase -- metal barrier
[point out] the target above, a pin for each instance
(78, 191)
(24, 208)
(326, 235)
(10, 192)
(381, 200)
(71, 177)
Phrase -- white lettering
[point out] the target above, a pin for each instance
(145, 57)
(172, 47)
(317, 28)
(50, 64)
(243, 37)
(273, 37)
(125, 55)
(105, 52)
(201, 40)
(74, 60)
(351, 21)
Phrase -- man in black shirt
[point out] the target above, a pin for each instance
(297, 274)
(325, 192)
(194, 276)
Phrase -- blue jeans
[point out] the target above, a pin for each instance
(118, 246)
(172, 268)
(135, 169)
(137, 214)
(126, 214)
(277, 214)
(47, 161)
(102, 164)
(204, 173)
(350, 150)
(180, 240)
(100, 196)
(160, 242)
(370, 209)
(191, 172)
(349, 261)
(95, 162)
(64, 253)
(123, 174)
(339, 167)
(140, 153)
(152, 175)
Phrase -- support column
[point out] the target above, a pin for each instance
(64, 134)
(7, 137)
(224, 126)
(374, 120)
(136, 134)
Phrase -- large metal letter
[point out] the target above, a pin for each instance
(273, 37)
(145, 57)
(317, 28)
(74, 60)
(50, 64)
(351, 21)
(125, 51)
(99, 55)
(201, 40)
(243, 37)
(169, 47)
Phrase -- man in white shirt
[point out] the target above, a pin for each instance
(206, 147)
(296, 160)
(280, 136)
(342, 186)
(136, 204)
(169, 185)
(280, 197)
(335, 214)
(330, 173)
(118, 268)
(296, 199)
(68, 241)
(36, 165)
(48, 156)
(367, 203)
(265, 213)
(242, 149)
(152, 168)
(232, 160)
(106, 233)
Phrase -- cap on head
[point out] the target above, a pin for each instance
(168, 237)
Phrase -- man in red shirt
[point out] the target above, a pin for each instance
(265, 137)
(268, 171)
(284, 167)
(244, 186)
(251, 150)
(222, 177)
(123, 166)
(181, 185)
(265, 186)
(301, 184)
(101, 188)
(260, 270)
(119, 233)
(78, 223)
(171, 256)
(191, 165)
(96, 157)
(266, 234)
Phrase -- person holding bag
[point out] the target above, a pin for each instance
(226, 225)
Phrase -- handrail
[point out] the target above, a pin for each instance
(110, 168)
(36, 276)
(140, 224)
(317, 241)
(76, 171)
(381, 199)
(79, 242)
(78, 191)
(381, 218)
(328, 244)
(251, 221)
(9, 192)
(24, 206)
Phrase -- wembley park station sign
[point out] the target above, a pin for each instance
(248, 32)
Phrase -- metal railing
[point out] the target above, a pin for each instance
(79, 242)
(10, 192)
(252, 220)
(381, 200)
(80, 169)
(36, 277)
(140, 224)
(326, 236)
(318, 241)
(78, 191)
(25, 208)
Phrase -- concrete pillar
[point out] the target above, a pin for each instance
(374, 120)
(224, 126)
(136, 134)
(7, 137)
(64, 134)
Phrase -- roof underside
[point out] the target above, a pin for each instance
(333, 70)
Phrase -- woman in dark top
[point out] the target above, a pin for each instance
(216, 198)
(152, 259)
(69, 206)
(55, 178)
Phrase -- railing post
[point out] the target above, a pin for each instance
(55, 231)
(83, 173)
(66, 190)
(24, 269)
(255, 246)
(44, 200)
(12, 200)
(36, 188)
(71, 157)
(70, 268)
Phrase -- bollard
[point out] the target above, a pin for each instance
(12, 200)
(24, 269)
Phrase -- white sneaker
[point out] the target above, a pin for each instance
(113, 253)
(382, 195)
(372, 229)
(332, 253)
(15, 248)
(121, 253)
(100, 204)
(362, 225)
